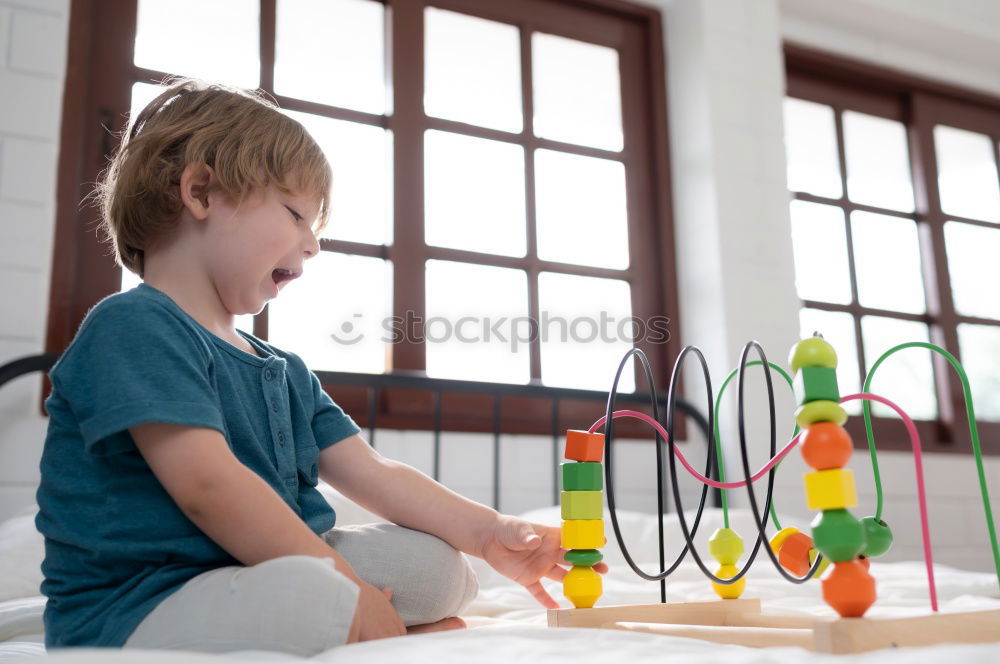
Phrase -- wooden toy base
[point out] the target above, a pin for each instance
(740, 622)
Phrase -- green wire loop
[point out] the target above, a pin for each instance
(973, 432)
(718, 443)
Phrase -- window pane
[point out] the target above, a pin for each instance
(577, 92)
(967, 173)
(333, 316)
(980, 349)
(474, 190)
(878, 163)
(218, 41)
(887, 262)
(471, 332)
(361, 158)
(838, 329)
(811, 148)
(473, 70)
(906, 378)
(331, 52)
(581, 210)
(973, 267)
(819, 241)
(585, 329)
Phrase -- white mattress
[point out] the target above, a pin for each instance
(506, 625)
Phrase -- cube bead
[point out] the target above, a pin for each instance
(815, 384)
(586, 534)
(578, 505)
(584, 446)
(820, 411)
(838, 535)
(793, 554)
(582, 586)
(732, 590)
(830, 489)
(779, 538)
(582, 476)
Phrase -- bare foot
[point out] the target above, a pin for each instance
(440, 626)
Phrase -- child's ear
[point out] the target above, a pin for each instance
(195, 181)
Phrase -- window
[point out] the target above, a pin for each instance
(895, 229)
(500, 161)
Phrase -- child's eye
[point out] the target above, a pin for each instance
(295, 214)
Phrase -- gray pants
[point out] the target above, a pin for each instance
(302, 605)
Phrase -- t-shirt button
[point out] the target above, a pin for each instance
(281, 437)
(268, 374)
(274, 405)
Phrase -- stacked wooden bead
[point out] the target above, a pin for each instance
(582, 504)
(826, 447)
(726, 546)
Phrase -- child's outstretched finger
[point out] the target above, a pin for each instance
(539, 593)
(601, 568)
(557, 573)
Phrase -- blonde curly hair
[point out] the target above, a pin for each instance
(239, 133)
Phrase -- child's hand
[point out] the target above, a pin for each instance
(375, 617)
(526, 552)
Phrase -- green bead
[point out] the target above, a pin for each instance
(582, 476)
(838, 535)
(878, 536)
(812, 352)
(816, 384)
(725, 546)
(583, 557)
(820, 411)
(582, 505)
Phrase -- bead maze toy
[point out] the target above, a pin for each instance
(837, 550)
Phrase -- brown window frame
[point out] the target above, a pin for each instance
(847, 84)
(99, 77)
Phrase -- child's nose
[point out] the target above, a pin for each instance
(312, 246)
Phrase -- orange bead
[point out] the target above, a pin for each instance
(865, 562)
(826, 445)
(849, 589)
(584, 446)
(793, 554)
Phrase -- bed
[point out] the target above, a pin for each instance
(506, 624)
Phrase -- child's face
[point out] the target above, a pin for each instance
(249, 245)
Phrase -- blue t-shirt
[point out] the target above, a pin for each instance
(116, 544)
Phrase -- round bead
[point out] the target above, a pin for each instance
(725, 546)
(732, 590)
(793, 554)
(825, 445)
(878, 536)
(820, 411)
(779, 538)
(583, 557)
(582, 586)
(812, 352)
(849, 589)
(838, 535)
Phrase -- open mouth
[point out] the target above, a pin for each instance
(281, 275)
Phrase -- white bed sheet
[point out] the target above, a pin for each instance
(507, 625)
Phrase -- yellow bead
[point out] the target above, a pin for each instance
(733, 590)
(725, 546)
(830, 489)
(582, 504)
(822, 566)
(820, 411)
(583, 534)
(582, 586)
(779, 538)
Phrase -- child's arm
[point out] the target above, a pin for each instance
(241, 513)
(518, 549)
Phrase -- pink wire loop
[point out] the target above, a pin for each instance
(911, 429)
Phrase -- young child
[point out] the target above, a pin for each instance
(178, 497)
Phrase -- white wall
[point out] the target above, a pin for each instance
(726, 82)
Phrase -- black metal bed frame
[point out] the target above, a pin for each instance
(418, 381)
